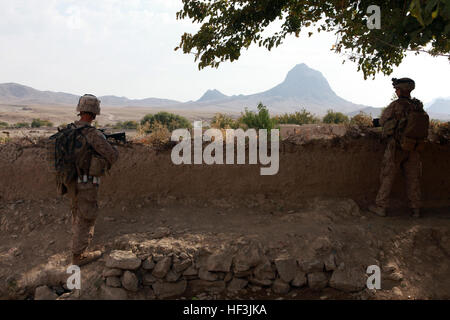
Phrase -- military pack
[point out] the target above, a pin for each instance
(63, 154)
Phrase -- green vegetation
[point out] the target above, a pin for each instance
(169, 120)
(228, 27)
(222, 121)
(21, 125)
(333, 117)
(3, 124)
(259, 120)
(126, 125)
(37, 123)
(362, 120)
(302, 117)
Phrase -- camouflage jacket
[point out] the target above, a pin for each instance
(394, 116)
(98, 142)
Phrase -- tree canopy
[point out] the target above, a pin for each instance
(228, 26)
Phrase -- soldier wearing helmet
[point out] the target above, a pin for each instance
(94, 156)
(402, 153)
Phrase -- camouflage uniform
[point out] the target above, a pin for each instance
(395, 159)
(84, 195)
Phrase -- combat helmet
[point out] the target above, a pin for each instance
(406, 84)
(89, 103)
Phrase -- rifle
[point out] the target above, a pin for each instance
(118, 137)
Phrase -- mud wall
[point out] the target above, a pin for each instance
(326, 168)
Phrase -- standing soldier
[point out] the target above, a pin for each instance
(91, 155)
(405, 126)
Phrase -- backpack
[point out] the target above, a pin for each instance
(414, 127)
(63, 150)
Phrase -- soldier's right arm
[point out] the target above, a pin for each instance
(388, 113)
(98, 141)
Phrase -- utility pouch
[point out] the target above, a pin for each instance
(98, 166)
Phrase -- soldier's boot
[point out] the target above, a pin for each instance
(85, 258)
(379, 211)
(415, 213)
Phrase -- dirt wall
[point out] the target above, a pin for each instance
(339, 167)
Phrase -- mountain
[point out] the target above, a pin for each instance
(212, 95)
(13, 93)
(440, 106)
(303, 87)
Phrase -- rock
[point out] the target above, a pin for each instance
(162, 267)
(148, 264)
(248, 257)
(148, 279)
(172, 276)
(397, 292)
(348, 280)
(237, 284)
(191, 271)
(113, 282)
(112, 272)
(199, 286)
(287, 268)
(317, 280)
(109, 293)
(299, 280)
(219, 262)
(130, 281)
(161, 232)
(330, 263)
(311, 266)
(396, 276)
(168, 290)
(44, 293)
(125, 260)
(180, 266)
(261, 283)
(264, 271)
(203, 274)
(280, 287)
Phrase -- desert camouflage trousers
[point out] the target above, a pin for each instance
(84, 214)
(409, 163)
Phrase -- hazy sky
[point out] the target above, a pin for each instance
(126, 48)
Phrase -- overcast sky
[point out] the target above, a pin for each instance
(126, 48)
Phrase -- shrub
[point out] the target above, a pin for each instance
(126, 125)
(259, 120)
(159, 135)
(302, 117)
(362, 120)
(169, 120)
(3, 124)
(222, 121)
(37, 123)
(21, 125)
(335, 117)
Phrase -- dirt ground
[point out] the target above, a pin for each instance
(34, 233)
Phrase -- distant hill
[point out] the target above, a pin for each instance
(440, 106)
(13, 93)
(303, 87)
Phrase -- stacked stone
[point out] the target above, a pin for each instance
(172, 275)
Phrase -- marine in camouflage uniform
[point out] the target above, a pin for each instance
(395, 158)
(83, 192)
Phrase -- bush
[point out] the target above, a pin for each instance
(362, 120)
(37, 123)
(126, 125)
(21, 125)
(169, 120)
(222, 121)
(260, 120)
(302, 117)
(335, 117)
(159, 136)
(3, 124)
